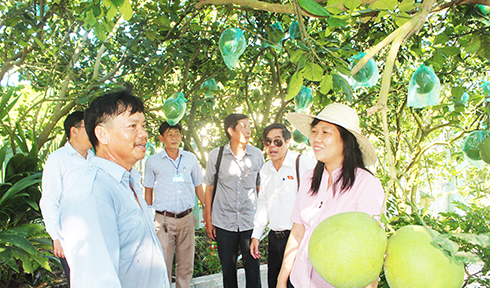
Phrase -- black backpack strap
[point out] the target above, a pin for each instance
(297, 169)
(218, 164)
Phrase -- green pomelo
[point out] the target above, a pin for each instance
(298, 137)
(485, 150)
(425, 82)
(472, 142)
(414, 260)
(347, 249)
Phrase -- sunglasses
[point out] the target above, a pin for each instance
(277, 142)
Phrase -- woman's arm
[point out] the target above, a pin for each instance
(297, 233)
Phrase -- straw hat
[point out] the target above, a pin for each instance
(341, 115)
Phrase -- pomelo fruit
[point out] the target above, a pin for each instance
(348, 249)
(415, 260)
(485, 150)
(472, 142)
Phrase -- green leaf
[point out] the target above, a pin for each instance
(467, 257)
(384, 5)
(96, 10)
(457, 92)
(482, 240)
(402, 18)
(294, 86)
(407, 5)
(474, 45)
(336, 22)
(100, 32)
(352, 4)
(450, 50)
(14, 190)
(313, 7)
(312, 72)
(326, 84)
(295, 56)
(3, 153)
(151, 35)
(442, 241)
(8, 258)
(112, 12)
(39, 43)
(347, 89)
(118, 3)
(90, 19)
(126, 10)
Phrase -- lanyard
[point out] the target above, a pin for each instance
(178, 164)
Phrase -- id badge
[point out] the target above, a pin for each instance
(178, 178)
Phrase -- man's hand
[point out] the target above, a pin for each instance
(254, 248)
(57, 249)
(211, 230)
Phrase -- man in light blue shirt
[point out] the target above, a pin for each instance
(174, 176)
(106, 228)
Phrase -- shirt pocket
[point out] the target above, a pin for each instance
(250, 178)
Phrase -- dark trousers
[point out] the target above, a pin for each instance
(228, 243)
(66, 268)
(277, 246)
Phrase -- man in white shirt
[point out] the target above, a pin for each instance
(278, 192)
(106, 228)
(175, 177)
(59, 175)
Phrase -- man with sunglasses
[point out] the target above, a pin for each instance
(279, 186)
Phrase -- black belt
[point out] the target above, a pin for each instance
(282, 234)
(175, 215)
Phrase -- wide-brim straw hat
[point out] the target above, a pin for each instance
(341, 115)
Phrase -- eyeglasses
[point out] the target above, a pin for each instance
(277, 142)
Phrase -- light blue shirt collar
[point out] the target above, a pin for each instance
(116, 170)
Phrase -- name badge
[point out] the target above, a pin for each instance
(178, 178)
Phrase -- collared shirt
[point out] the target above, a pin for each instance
(173, 181)
(366, 195)
(278, 192)
(58, 176)
(108, 238)
(236, 191)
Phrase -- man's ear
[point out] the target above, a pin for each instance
(73, 132)
(288, 142)
(160, 137)
(231, 131)
(102, 134)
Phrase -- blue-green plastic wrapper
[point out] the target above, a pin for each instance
(486, 90)
(294, 32)
(232, 44)
(424, 88)
(472, 142)
(274, 36)
(368, 75)
(210, 87)
(150, 149)
(174, 108)
(303, 100)
(299, 138)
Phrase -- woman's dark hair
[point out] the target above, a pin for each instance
(352, 161)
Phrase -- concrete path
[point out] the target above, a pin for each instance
(216, 280)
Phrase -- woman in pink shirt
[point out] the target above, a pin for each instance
(339, 183)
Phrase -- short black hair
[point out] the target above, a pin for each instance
(286, 134)
(164, 126)
(107, 106)
(73, 120)
(231, 121)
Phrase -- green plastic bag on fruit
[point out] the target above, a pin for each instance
(299, 138)
(232, 44)
(303, 100)
(424, 88)
(294, 32)
(486, 90)
(174, 108)
(274, 36)
(368, 75)
(210, 88)
(472, 142)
